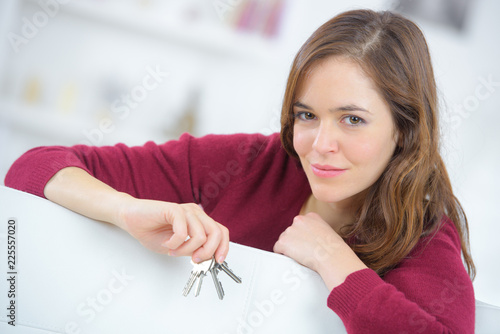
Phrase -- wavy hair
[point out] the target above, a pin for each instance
(413, 195)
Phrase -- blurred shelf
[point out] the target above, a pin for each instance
(205, 35)
(70, 129)
(211, 37)
(42, 121)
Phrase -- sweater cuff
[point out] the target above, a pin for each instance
(31, 174)
(41, 175)
(345, 298)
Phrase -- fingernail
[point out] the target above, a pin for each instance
(221, 259)
(197, 260)
(171, 253)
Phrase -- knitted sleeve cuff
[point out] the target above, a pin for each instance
(345, 298)
(31, 174)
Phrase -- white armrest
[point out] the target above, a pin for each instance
(487, 318)
(76, 275)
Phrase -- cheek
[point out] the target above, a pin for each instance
(302, 140)
(369, 152)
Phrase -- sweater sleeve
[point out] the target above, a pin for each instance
(150, 171)
(190, 169)
(429, 292)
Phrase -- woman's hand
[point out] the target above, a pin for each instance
(313, 243)
(160, 226)
(176, 229)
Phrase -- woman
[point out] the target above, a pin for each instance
(354, 186)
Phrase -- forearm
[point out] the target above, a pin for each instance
(159, 226)
(78, 191)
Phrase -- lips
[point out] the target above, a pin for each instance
(326, 170)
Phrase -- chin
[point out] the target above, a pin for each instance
(327, 195)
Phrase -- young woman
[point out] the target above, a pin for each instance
(354, 186)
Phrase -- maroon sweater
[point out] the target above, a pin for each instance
(249, 184)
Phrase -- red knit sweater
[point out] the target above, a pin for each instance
(249, 184)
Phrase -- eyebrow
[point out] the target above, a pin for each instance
(348, 107)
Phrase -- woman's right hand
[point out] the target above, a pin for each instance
(174, 229)
(162, 227)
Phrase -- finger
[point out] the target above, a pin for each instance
(278, 247)
(282, 246)
(179, 226)
(197, 236)
(223, 249)
(217, 247)
(214, 238)
(302, 219)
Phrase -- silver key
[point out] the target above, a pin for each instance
(218, 285)
(197, 273)
(215, 277)
(223, 266)
(198, 285)
(190, 282)
(200, 270)
(204, 267)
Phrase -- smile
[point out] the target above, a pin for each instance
(326, 171)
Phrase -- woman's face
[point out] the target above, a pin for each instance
(343, 131)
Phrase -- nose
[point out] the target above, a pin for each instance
(326, 140)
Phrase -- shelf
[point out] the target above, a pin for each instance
(207, 35)
(67, 129)
(42, 121)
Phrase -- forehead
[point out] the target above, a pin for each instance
(341, 74)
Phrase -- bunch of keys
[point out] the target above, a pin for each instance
(200, 270)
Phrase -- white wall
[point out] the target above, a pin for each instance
(238, 83)
(462, 66)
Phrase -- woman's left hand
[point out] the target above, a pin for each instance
(313, 243)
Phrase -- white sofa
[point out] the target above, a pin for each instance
(76, 275)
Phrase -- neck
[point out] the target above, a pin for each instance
(337, 215)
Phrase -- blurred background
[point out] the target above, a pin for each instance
(101, 72)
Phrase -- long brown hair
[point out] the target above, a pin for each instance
(414, 194)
